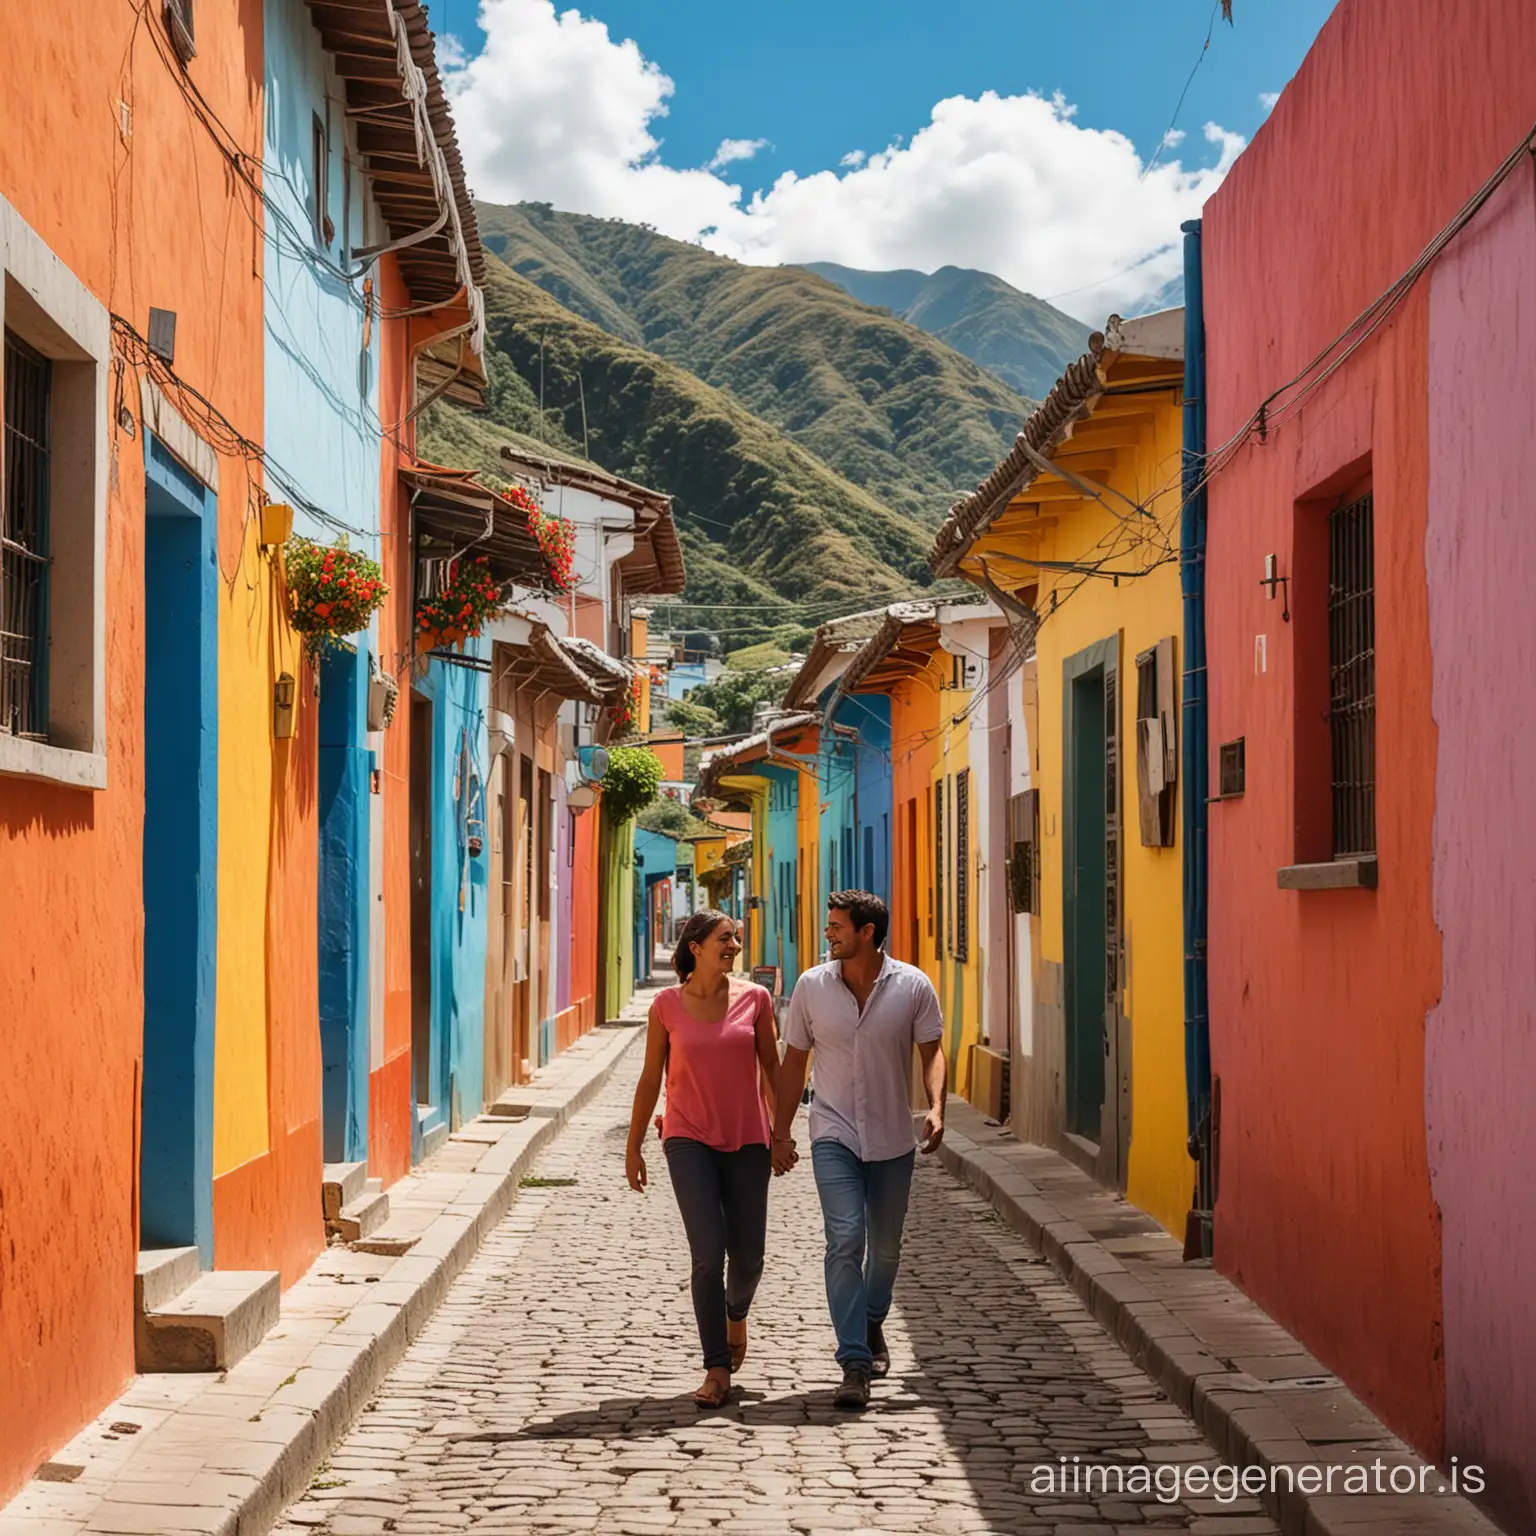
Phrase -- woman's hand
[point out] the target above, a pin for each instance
(634, 1169)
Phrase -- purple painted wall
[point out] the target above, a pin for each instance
(565, 894)
(1480, 1068)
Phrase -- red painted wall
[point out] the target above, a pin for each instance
(1319, 999)
(71, 902)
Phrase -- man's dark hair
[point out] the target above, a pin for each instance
(862, 907)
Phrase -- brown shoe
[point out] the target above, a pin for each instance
(881, 1364)
(736, 1337)
(854, 1392)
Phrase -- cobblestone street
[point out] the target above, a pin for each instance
(552, 1390)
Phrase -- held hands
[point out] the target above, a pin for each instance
(933, 1131)
(783, 1154)
(634, 1169)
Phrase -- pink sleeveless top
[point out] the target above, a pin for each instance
(714, 1094)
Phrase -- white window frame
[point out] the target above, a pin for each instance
(45, 304)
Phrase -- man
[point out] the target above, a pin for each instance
(862, 1012)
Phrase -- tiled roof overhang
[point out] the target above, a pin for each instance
(386, 56)
(452, 514)
(548, 664)
(835, 637)
(1072, 397)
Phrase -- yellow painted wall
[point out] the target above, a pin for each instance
(754, 787)
(959, 982)
(1140, 612)
(253, 651)
(808, 938)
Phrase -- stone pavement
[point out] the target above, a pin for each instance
(551, 1392)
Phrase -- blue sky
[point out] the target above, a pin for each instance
(818, 78)
(615, 110)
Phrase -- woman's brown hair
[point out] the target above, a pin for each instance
(695, 931)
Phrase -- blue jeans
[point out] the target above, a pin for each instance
(863, 1207)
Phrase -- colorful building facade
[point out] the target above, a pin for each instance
(1371, 852)
(1078, 527)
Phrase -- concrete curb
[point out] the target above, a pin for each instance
(225, 1455)
(1251, 1422)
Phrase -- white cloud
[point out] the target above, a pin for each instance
(731, 150)
(555, 110)
(854, 158)
(1267, 99)
(1173, 138)
(451, 53)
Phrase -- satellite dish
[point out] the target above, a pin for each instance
(594, 762)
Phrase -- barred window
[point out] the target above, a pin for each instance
(940, 870)
(24, 549)
(1024, 852)
(1352, 675)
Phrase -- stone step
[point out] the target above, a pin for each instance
(162, 1274)
(362, 1218)
(341, 1184)
(218, 1320)
(374, 1187)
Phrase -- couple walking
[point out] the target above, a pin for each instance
(731, 1107)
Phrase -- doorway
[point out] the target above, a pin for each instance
(426, 1083)
(345, 883)
(181, 771)
(1091, 895)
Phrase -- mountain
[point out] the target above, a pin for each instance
(1018, 337)
(881, 402)
(766, 525)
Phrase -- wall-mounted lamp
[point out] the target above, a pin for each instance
(283, 693)
(1272, 580)
(276, 523)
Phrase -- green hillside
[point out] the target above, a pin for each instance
(1016, 336)
(884, 404)
(764, 522)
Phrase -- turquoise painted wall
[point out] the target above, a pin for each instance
(781, 870)
(855, 776)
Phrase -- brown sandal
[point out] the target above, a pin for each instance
(738, 1349)
(713, 1394)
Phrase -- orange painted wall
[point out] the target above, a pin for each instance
(71, 904)
(915, 746)
(391, 1093)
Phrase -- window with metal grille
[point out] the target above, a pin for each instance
(1024, 852)
(24, 553)
(178, 22)
(1156, 744)
(1233, 768)
(962, 945)
(1352, 675)
(320, 171)
(940, 870)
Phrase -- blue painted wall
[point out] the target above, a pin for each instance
(461, 753)
(345, 773)
(782, 870)
(655, 859)
(181, 768)
(855, 773)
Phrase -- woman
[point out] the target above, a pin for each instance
(712, 1036)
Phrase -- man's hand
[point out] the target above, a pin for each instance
(634, 1169)
(933, 1130)
(784, 1155)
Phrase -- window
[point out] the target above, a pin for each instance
(55, 340)
(940, 869)
(178, 22)
(962, 944)
(1024, 852)
(869, 858)
(319, 179)
(928, 819)
(1352, 675)
(1156, 744)
(24, 554)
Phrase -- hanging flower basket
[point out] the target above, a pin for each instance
(625, 713)
(556, 536)
(459, 611)
(333, 592)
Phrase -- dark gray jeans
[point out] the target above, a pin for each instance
(724, 1200)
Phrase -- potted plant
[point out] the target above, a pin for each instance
(556, 536)
(459, 611)
(333, 592)
(625, 712)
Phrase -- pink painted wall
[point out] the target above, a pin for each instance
(1480, 1067)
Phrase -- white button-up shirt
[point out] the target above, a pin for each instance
(864, 1059)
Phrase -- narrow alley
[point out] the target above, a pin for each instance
(552, 1390)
